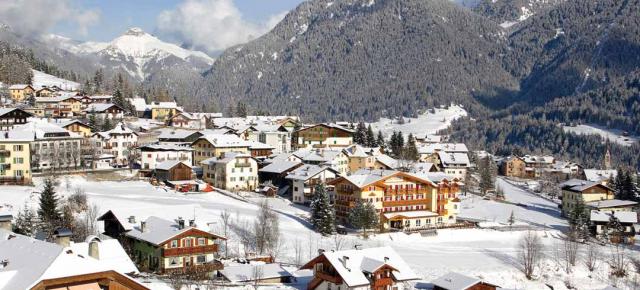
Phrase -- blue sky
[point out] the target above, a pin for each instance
(118, 15)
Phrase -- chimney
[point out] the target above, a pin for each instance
(320, 252)
(94, 249)
(132, 219)
(345, 263)
(180, 223)
(386, 259)
(192, 223)
(4, 263)
(62, 237)
(357, 246)
(143, 226)
(5, 221)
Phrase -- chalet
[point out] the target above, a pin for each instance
(231, 171)
(19, 92)
(276, 172)
(336, 159)
(44, 92)
(429, 139)
(323, 136)
(260, 150)
(42, 265)
(167, 246)
(154, 154)
(197, 121)
(576, 190)
(373, 268)
(246, 273)
(119, 141)
(451, 163)
(611, 205)
(15, 158)
(11, 117)
(178, 136)
(216, 145)
(405, 201)
(535, 165)
(305, 178)
(359, 158)
(276, 136)
(429, 149)
(617, 226)
(78, 127)
(602, 176)
(173, 170)
(513, 166)
(101, 111)
(386, 162)
(59, 106)
(164, 111)
(422, 167)
(455, 281)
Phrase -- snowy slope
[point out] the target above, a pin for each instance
(427, 123)
(41, 79)
(607, 134)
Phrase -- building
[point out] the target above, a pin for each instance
(335, 158)
(305, 178)
(59, 106)
(153, 154)
(166, 246)
(456, 281)
(513, 166)
(11, 117)
(611, 205)
(76, 126)
(258, 273)
(373, 268)
(276, 172)
(19, 92)
(276, 136)
(15, 158)
(173, 170)
(45, 92)
(535, 165)
(324, 136)
(52, 147)
(429, 149)
(197, 121)
(616, 226)
(119, 142)
(163, 111)
(178, 136)
(602, 176)
(576, 190)
(405, 201)
(359, 158)
(216, 145)
(32, 264)
(454, 164)
(231, 171)
(101, 111)
(260, 150)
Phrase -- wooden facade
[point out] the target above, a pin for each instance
(178, 172)
(12, 118)
(110, 280)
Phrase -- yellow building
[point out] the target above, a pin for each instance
(576, 190)
(15, 159)
(163, 111)
(20, 92)
(216, 145)
(359, 158)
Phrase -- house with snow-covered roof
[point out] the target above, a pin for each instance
(451, 163)
(457, 281)
(576, 190)
(153, 154)
(104, 110)
(197, 121)
(598, 175)
(11, 117)
(246, 273)
(231, 171)
(325, 135)
(209, 146)
(335, 158)
(19, 92)
(617, 226)
(305, 178)
(373, 268)
(119, 142)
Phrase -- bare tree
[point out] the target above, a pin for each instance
(592, 257)
(338, 242)
(618, 261)
(570, 252)
(297, 248)
(531, 248)
(266, 229)
(256, 275)
(225, 216)
(176, 280)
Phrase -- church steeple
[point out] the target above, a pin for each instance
(607, 160)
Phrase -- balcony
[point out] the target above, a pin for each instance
(328, 277)
(406, 202)
(319, 145)
(13, 180)
(5, 166)
(190, 251)
(5, 153)
(243, 164)
(382, 282)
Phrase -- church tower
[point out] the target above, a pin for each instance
(607, 160)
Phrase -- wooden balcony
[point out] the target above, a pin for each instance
(328, 277)
(5, 153)
(13, 180)
(406, 191)
(382, 282)
(190, 251)
(406, 202)
(243, 164)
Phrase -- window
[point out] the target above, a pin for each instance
(418, 222)
(174, 261)
(174, 244)
(188, 242)
(202, 241)
(18, 160)
(18, 173)
(201, 259)
(17, 148)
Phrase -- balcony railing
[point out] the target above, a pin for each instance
(243, 164)
(5, 153)
(190, 250)
(406, 202)
(328, 277)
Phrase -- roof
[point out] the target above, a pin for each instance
(164, 147)
(280, 166)
(365, 177)
(445, 147)
(308, 171)
(100, 107)
(456, 281)
(245, 273)
(225, 140)
(167, 165)
(255, 145)
(538, 159)
(453, 159)
(41, 129)
(622, 216)
(228, 157)
(19, 86)
(599, 175)
(9, 110)
(578, 185)
(355, 151)
(110, 253)
(329, 125)
(410, 214)
(158, 231)
(388, 161)
(611, 203)
(358, 262)
(170, 133)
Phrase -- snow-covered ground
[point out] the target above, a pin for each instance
(609, 134)
(41, 79)
(427, 123)
(485, 253)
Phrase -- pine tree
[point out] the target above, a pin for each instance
(380, 140)
(628, 187)
(579, 220)
(26, 222)
(512, 219)
(93, 123)
(360, 135)
(411, 150)
(48, 212)
(322, 214)
(363, 216)
(370, 137)
(486, 175)
(106, 125)
(619, 184)
(241, 110)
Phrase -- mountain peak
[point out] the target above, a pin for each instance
(135, 31)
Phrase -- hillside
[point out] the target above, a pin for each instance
(390, 57)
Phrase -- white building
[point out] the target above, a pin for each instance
(154, 154)
(231, 171)
(305, 178)
(119, 142)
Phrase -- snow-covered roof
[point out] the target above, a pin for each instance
(171, 133)
(139, 103)
(453, 159)
(55, 99)
(225, 140)
(167, 165)
(538, 159)
(352, 265)
(279, 166)
(307, 171)
(318, 155)
(41, 129)
(157, 231)
(255, 145)
(245, 273)
(608, 203)
(445, 147)
(622, 216)
(455, 281)
(410, 214)
(388, 161)
(429, 138)
(18, 86)
(597, 175)
(164, 147)
(110, 253)
(435, 177)
(578, 185)
(364, 177)
(355, 151)
(120, 129)
(329, 125)
(99, 107)
(228, 157)
(421, 167)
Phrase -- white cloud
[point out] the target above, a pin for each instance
(34, 17)
(211, 24)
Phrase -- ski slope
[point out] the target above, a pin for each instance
(608, 134)
(41, 79)
(427, 123)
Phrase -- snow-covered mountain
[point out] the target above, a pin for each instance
(136, 52)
